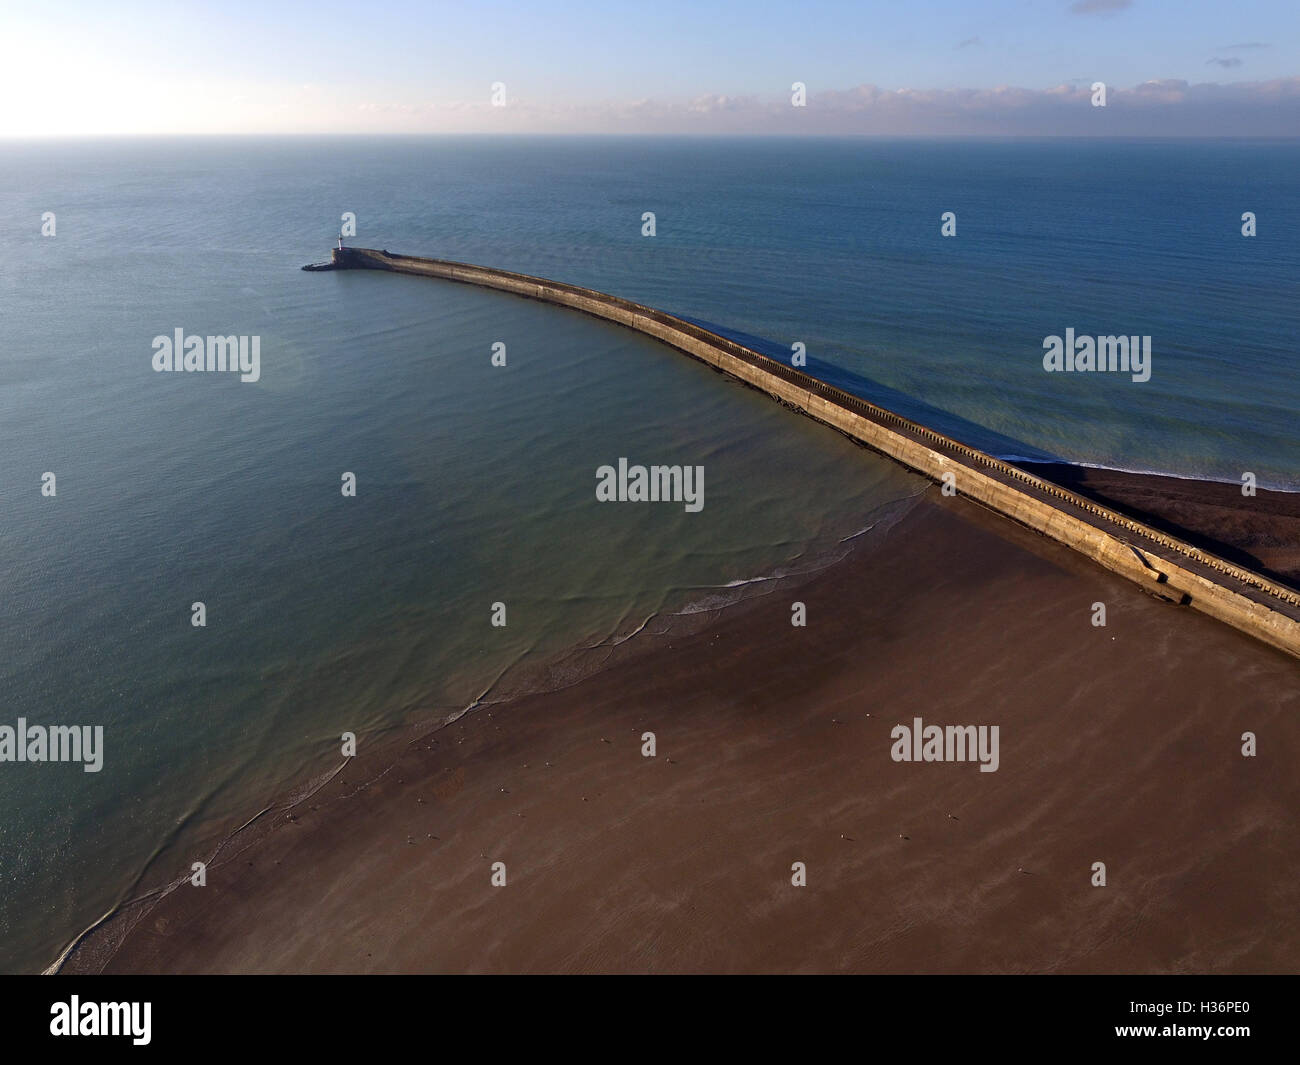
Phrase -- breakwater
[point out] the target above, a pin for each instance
(1160, 563)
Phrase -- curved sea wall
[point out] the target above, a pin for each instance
(1160, 563)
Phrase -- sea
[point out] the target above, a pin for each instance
(373, 613)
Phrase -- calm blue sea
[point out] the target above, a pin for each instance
(476, 483)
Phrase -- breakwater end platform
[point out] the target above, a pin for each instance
(1161, 564)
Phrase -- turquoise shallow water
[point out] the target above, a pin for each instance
(475, 483)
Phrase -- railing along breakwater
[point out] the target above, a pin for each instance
(1260, 607)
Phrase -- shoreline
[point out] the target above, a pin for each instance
(1133, 471)
(759, 725)
(566, 669)
(1190, 508)
(538, 679)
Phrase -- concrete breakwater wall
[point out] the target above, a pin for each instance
(1158, 562)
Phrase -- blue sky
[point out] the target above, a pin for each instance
(665, 66)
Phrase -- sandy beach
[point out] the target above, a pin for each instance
(1119, 744)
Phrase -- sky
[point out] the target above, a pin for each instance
(997, 67)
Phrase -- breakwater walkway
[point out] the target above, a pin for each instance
(1160, 563)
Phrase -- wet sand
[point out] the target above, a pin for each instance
(1119, 744)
